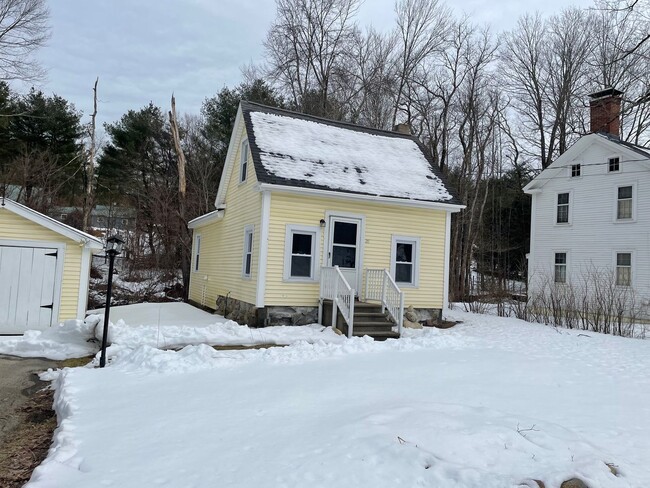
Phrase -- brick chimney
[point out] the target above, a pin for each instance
(605, 107)
(402, 128)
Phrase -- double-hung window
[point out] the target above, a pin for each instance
(248, 252)
(560, 267)
(197, 251)
(300, 253)
(562, 208)
(623, 268)
(405, 260)
(575, 170)
(624, 203)
(243, 161)
(613, 164)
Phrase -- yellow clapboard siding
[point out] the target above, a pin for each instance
(15, 227)
(222, 242)
(381, 223)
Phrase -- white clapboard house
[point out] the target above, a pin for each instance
(591, 208)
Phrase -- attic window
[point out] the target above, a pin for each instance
(243, 161)
(614, 165)
(575, 170)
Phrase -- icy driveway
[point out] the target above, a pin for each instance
(490, 403)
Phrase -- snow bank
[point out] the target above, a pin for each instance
(491, 402)
(64, 341)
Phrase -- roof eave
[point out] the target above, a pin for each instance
(449, 207)
(65, 230)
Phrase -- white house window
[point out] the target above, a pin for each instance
(613, 164)
(300, 252)
(404, 260)
(563, 208)
(560, 267)
(624, 268)
(243, 162)
(248, 252)
(624, 203)
(197, 251)
(575, 170)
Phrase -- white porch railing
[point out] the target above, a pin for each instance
(334, 286)
(381, 287)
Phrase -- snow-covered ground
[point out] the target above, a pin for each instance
(161, 325)
(492, 402)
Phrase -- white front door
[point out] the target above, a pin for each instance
(345, 248)
(27, 285)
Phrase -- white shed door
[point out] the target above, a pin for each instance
(27, 283)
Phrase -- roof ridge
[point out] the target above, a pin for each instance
(332, 122)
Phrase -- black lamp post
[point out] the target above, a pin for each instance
(113, 247)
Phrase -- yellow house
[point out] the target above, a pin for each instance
(318, 220)
(44, 269)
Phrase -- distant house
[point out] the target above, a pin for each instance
(591, 208)
(106, 217)
(317, 219)
(44, 269)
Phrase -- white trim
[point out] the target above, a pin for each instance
(567, 265)
(620, 166)
(633, 273)
(243, 161)
(415, 242)
(58, 273)
(229, 163)
(249, 229)
(570, 209)
(51, 224)
(84, 277)
(264, 249)
(196, 253)
(290, 229)
(358, 196)
(580, 169)
(445, 284)
(616, 220)
(573, 152)
(533, 237)
(206, 219)
(329, 214)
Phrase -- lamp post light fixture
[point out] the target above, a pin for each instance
(113, 247)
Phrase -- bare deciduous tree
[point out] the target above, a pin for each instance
(23, 29)
(306, 46)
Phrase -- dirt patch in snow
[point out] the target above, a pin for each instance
(27, 445)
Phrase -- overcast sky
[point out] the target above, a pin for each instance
(143, 50)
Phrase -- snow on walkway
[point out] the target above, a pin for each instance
(161, 325)
(489, 403)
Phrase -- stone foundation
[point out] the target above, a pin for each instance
(428, 314)
(237, 310)
(246, 313)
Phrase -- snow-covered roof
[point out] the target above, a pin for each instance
(299, 150)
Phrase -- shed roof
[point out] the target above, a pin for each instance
(50, 223)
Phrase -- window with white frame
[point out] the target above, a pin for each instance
(613, 165)
(197, 251)
(405, 260)
(300, 253)
(560, 267)
(575, 170)
(243, 161)
(248, 252)
(562, 208)
(623, 268)
(624, 203)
